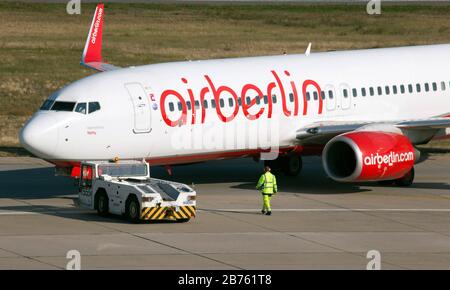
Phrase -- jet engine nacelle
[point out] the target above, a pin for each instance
(368, 156)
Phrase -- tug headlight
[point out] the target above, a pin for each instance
(147, 198)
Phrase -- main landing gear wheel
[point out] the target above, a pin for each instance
(132, 209)
(290, 165)
(406, 180)
(102, 203)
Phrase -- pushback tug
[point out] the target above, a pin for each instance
(126, 188)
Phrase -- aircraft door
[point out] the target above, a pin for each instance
(141, 106)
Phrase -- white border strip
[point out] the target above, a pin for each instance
(240, 210)
(331, 209)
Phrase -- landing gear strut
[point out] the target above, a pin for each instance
(290, 165)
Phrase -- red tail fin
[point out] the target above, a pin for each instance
(93, 48)
(92, 54)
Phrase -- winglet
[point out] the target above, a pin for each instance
(308, 50)
(93, 47)
(92, 54)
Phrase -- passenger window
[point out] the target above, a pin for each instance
(402, 89)
(205, 104)
(266, 99)
(291, 97)
(345, 93)
(171, 108)
(239, 101)
(221, 103)
(363, 92)
(394, 89)
(427, 87)
(434, 86)
(418, 88)
(372, 91)
(322, 94)
(308, 97)
(94, 106)
(274, 99)
(410, 88)
(230, 102)
(258, 100)
(380, 91)
(197, 104)
(354, 93)
(386, 88)
(188, 103)
(81, 108)
(330, 94)
(316, 96)
(180, 107)
(442, 86)
(213, 103)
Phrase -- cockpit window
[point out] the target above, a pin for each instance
(47, 105)
(63, 106)
(94, 106)
(81, 108)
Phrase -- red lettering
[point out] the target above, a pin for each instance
(283, 95)
(216, 93)
(245, 106)
(270, 87)
(203, 92)
(307, 83)
(166, 119)
(191, 98)
(294, 91)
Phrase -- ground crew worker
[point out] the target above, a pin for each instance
(267, 184)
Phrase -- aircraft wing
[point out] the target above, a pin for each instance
(92, 54)
(320, 133)
(433, 123)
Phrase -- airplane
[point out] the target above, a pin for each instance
(363, 111)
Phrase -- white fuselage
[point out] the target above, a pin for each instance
(128, 127)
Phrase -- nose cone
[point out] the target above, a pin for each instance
(40, 135)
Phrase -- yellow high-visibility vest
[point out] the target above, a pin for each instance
(267, 183)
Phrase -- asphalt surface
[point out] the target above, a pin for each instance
(316, 223)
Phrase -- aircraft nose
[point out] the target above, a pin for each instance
(40, 135)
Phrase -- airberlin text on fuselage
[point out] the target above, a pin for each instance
(216, 90)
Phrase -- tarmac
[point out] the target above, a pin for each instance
(316, 223)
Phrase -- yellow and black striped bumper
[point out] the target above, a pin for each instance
(168, 213)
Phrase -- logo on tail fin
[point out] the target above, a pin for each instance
(97, 24)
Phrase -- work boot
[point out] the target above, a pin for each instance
(268, 213)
